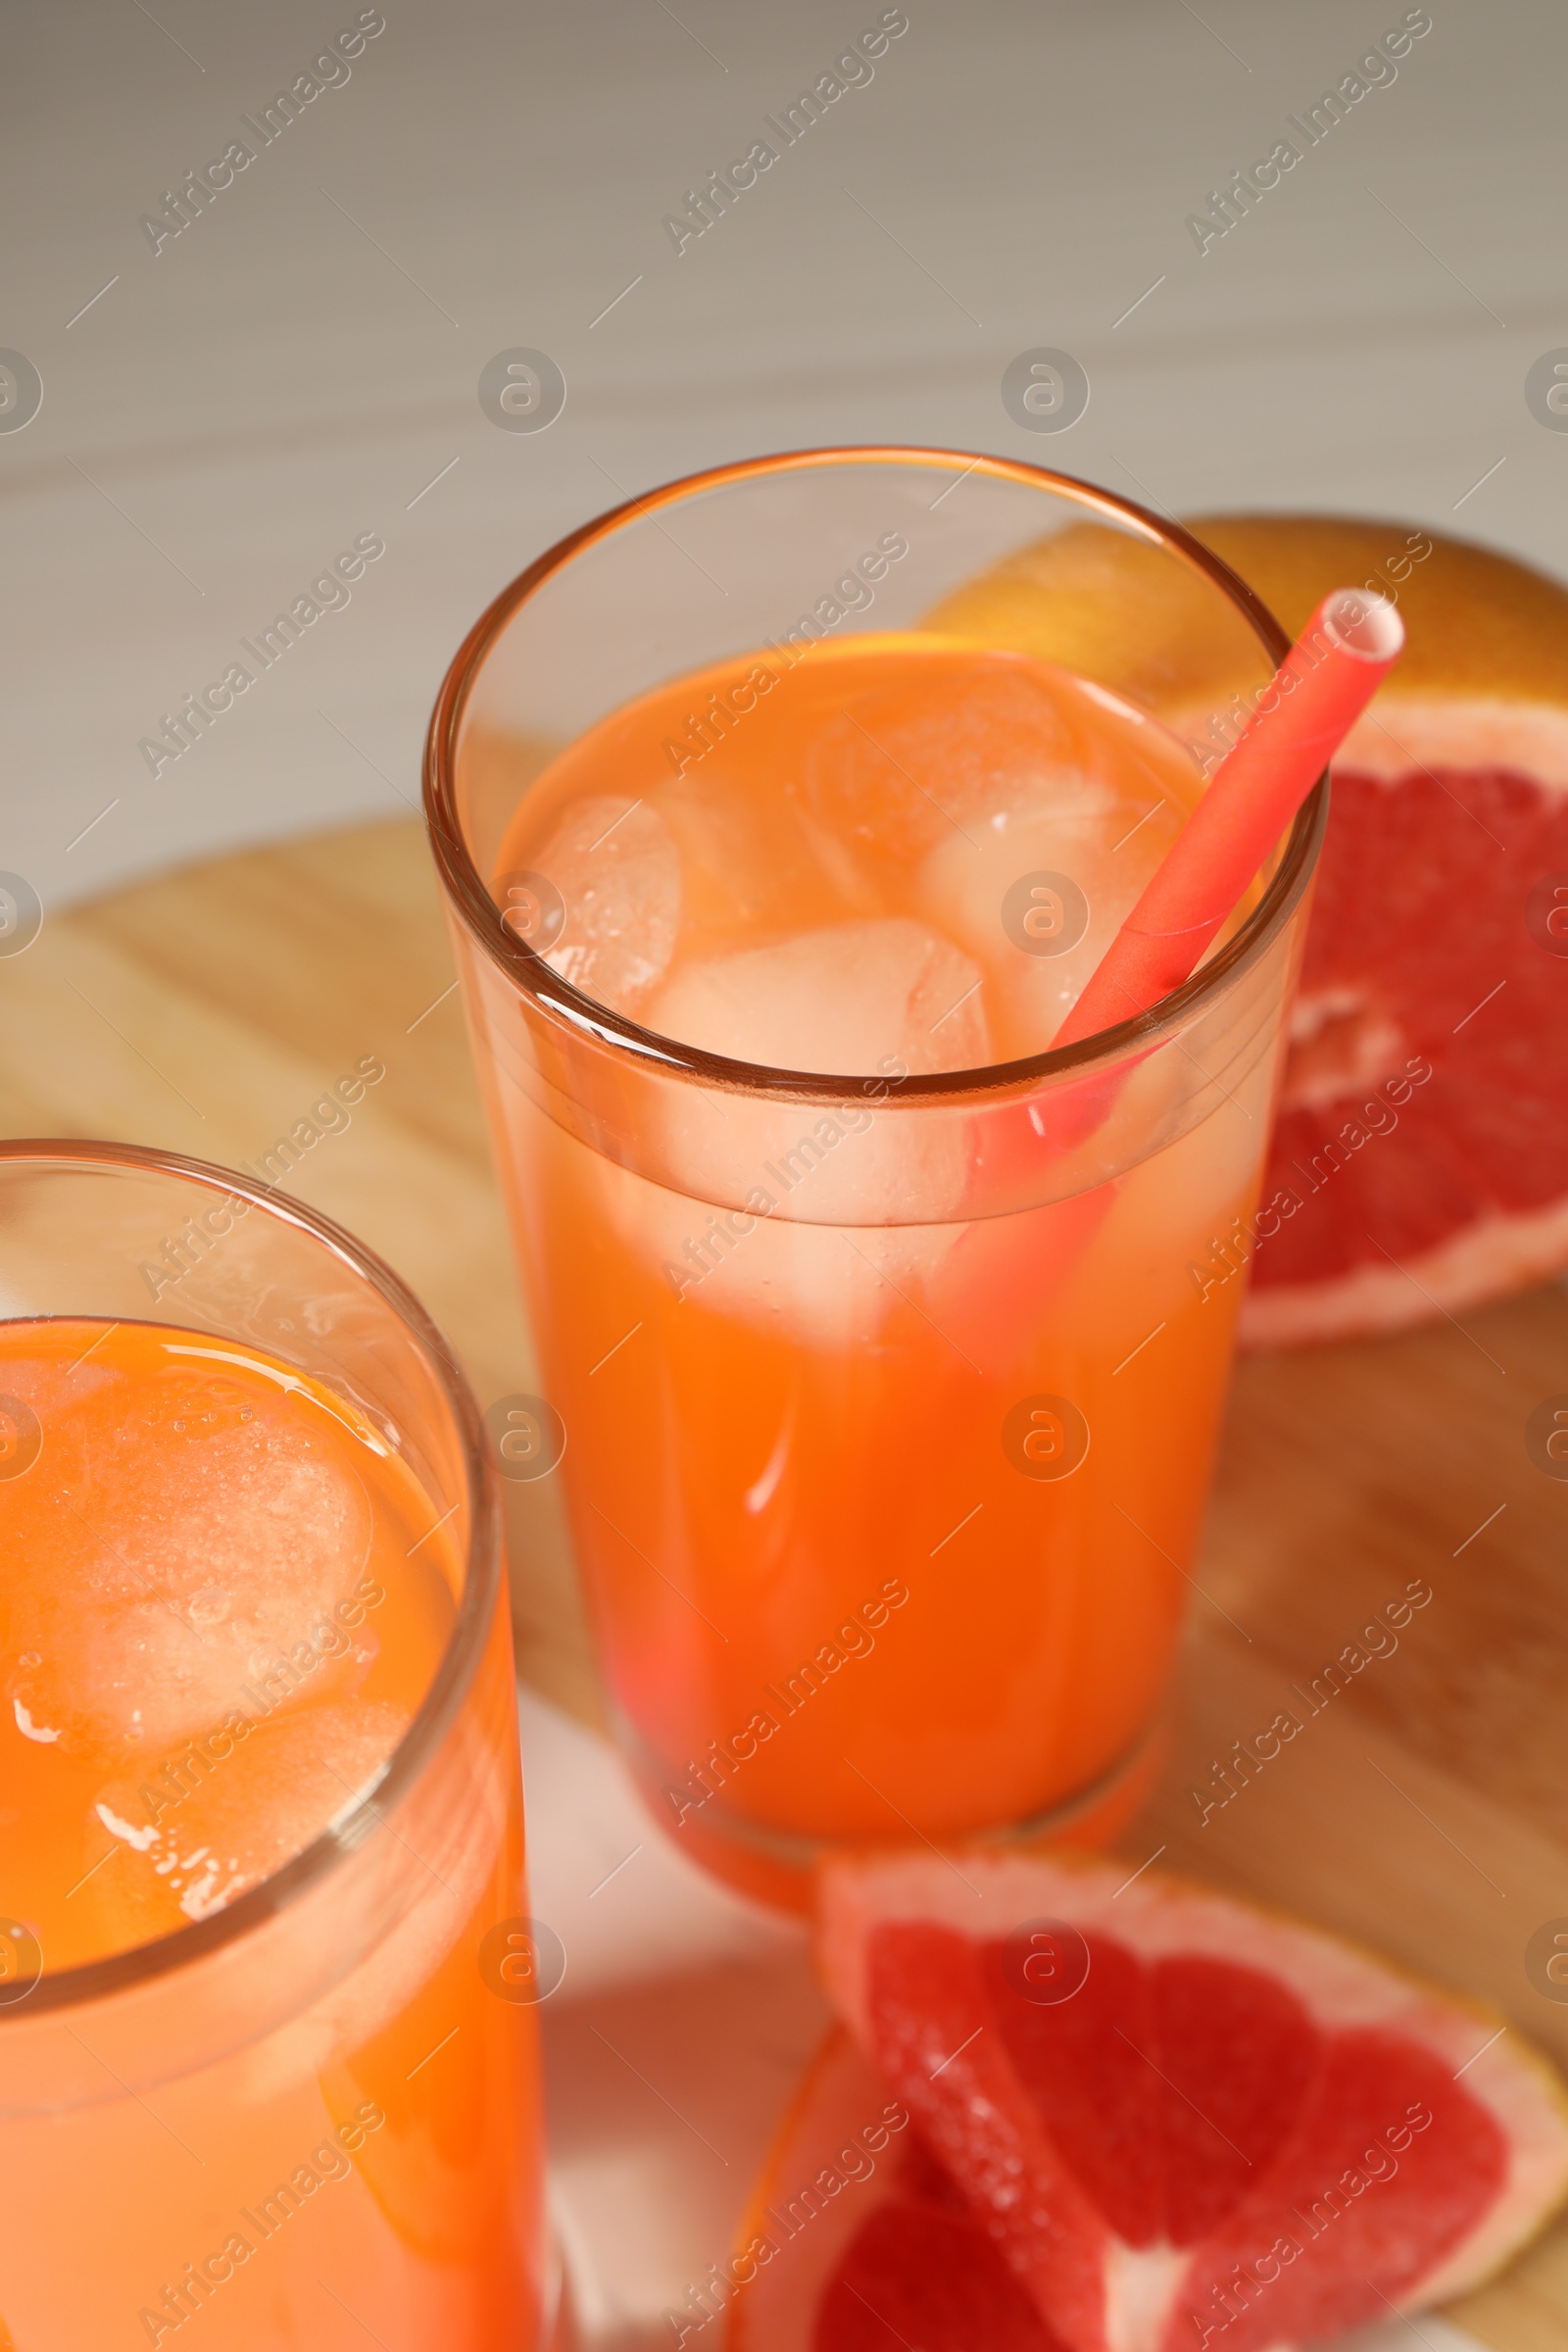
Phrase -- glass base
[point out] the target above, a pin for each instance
(779, 1868)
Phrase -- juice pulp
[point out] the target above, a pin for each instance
(886, 1511)
(223, 1600)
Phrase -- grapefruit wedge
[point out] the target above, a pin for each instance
(1423, 1125)
(1142, 2118)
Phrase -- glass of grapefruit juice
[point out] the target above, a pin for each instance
(884, 1346)
(266, 2057)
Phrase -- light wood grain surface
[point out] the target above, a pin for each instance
(1421, 1811)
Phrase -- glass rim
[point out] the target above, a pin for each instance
(145, 1963)
(557, 998)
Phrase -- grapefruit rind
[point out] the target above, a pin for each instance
(1483, 628)
(1160, 1915)
(1424, 730)
(775, 2310)
(1486, 1261)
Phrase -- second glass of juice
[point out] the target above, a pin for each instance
(268, 2061)
(883, 1345)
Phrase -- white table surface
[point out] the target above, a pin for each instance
(301, 366)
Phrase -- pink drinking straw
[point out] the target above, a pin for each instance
(1301, 718)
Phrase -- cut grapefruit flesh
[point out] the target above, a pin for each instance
(1234, 2132)
(870, 2248)
(1423, 1123)
(921, 2269)
(1404, 1195)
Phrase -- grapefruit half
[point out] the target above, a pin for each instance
(1423, 1123)
(1142, 2119)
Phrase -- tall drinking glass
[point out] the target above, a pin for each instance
(308, 2114)
(884, 1392)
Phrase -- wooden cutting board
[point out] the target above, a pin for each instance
(1423, 1809)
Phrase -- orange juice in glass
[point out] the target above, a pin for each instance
(262, 2059)
(885, 1396)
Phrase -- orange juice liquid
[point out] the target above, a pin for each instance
(223, 1598)
(886, 1512)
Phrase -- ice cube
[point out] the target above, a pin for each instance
(854, 999)
(195, 1828)
(847, 1205)
(904, 769)
(749, 862)
(191, 1530)
(998, 889)
(611, 926)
